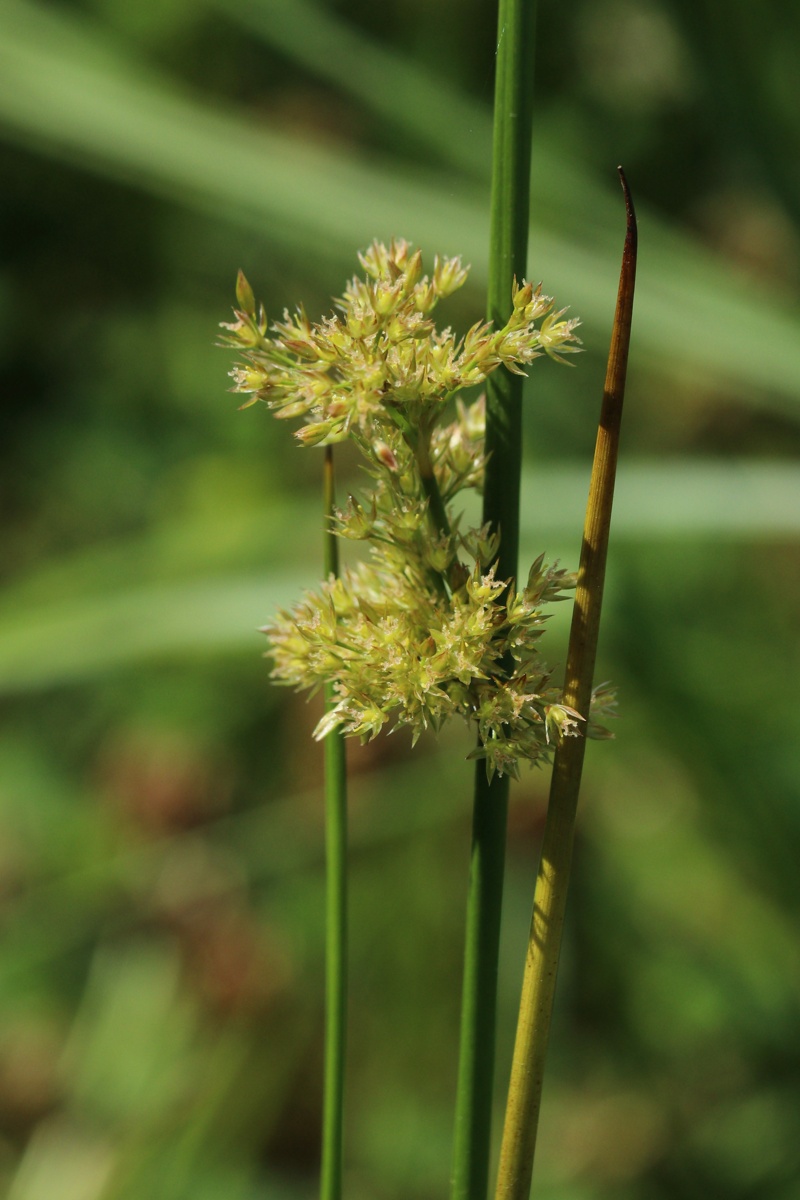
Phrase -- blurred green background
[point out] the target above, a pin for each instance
(161, 888)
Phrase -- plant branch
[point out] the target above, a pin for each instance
(538, 988)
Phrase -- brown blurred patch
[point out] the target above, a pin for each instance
(162, 782)
(30, 1050)
(233, 960)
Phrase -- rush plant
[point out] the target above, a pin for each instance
(432, 623)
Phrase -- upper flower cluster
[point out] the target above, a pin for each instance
(380, 361)
(422, 629)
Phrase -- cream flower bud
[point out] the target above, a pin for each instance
(244, 295)
(385, 455)
(448, 275)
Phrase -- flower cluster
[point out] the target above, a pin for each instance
(381, 364)
(422, 629)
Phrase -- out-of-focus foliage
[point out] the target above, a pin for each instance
(160, 823)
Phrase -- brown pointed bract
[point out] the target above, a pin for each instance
(538, 987)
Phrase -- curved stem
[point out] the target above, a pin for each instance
(336, 906)
(508, 253)
(544, 945)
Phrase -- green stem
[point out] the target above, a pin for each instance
(336, 907)
(541, 965)
(508, 254)
(436, 507)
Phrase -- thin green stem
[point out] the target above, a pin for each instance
(336, 906)
(541, 965)
(436, 507)
(508, 254)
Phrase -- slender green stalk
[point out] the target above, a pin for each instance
(336, 907)
(508, 253)
(525, 1088)
(436, 507)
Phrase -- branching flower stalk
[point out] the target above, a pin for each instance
(541, 965)
(423, 629)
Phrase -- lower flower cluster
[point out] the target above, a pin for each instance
(401, 653)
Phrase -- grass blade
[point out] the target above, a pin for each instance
(541, 965)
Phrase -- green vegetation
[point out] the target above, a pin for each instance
(161, 816)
